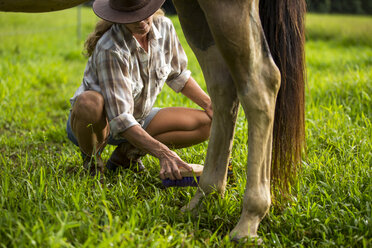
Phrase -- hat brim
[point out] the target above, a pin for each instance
(102, 9)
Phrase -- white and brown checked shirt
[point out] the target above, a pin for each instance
(129, 78)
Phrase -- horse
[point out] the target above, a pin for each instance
(252, 54)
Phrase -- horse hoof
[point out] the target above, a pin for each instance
(247, 241)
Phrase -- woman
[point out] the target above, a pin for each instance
(131, 57)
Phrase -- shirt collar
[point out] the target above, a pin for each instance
(133, 44)
(154, 33)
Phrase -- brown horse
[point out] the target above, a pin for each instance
(250, 52)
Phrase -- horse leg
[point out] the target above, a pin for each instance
(222, 92)
(237, 30)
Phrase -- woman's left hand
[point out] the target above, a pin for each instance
(193, 91)
(209, 111)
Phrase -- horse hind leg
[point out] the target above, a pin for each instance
(236, 28)
(222, 92)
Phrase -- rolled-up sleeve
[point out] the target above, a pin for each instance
(179, 74)
(112, 72)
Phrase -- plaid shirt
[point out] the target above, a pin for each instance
(128, 77)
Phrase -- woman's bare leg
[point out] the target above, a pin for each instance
(179, 127)
(89, 123)
(175, 127)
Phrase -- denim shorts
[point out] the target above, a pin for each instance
(111, 140)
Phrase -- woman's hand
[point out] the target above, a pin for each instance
(170, 163)
(209, 111)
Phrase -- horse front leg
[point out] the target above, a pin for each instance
(225, 110)
(236, 28)
(223, 95)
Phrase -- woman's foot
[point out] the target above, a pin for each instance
(119, 158)
(136, 166)
(94, 165)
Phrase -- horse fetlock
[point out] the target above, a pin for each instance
(194, 205)
(195, 201)
(208, 187)
(255, 208)
(246, 228)
(257, 200)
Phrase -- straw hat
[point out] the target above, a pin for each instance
(126, 11)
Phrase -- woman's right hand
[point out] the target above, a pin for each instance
(169, 160)
(169, 165)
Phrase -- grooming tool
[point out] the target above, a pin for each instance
(189, 178)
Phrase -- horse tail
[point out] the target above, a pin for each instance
(284, 27)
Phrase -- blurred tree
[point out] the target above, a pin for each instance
(367, 7)
(346, 6)
(340, 6)
(321, 6)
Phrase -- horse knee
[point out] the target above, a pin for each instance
(258, 98)
(271, 76)
(225, 100)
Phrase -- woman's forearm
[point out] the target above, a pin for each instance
(193, 91)
(169, 160)
(138, 137)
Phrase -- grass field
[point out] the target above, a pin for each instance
(42, 205)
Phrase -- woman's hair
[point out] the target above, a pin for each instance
(101, 27)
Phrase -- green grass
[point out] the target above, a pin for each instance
(43, 205)
(348, 30)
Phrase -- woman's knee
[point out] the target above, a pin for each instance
(205, 126)
(89, 106)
